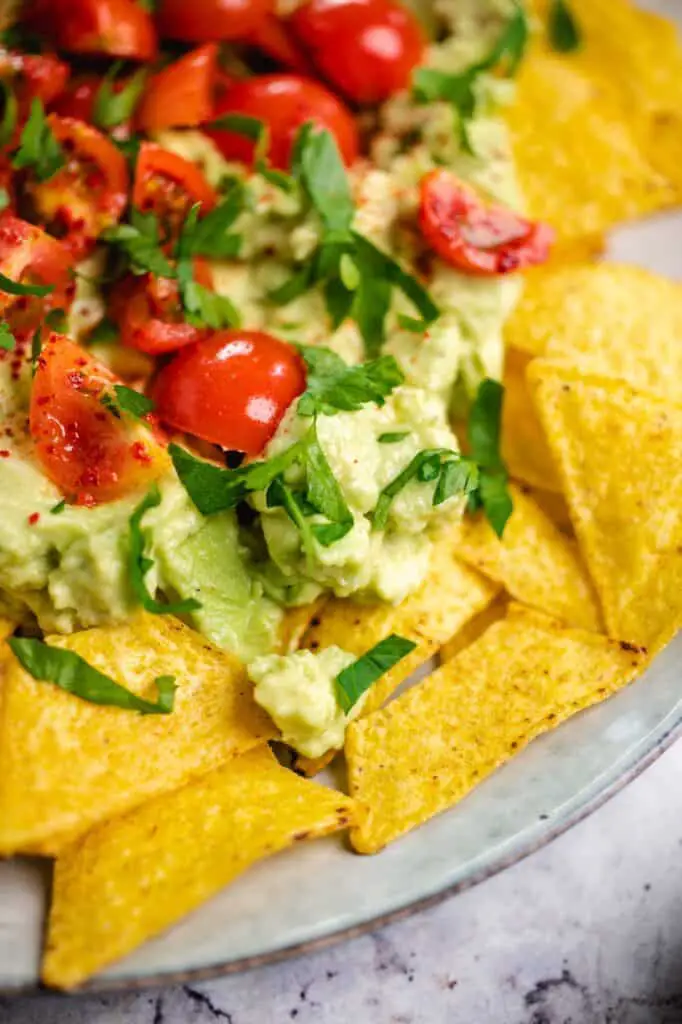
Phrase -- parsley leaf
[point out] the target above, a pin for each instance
(132, 402)
(205, 307)
(354, 680)
(113, 106)
(209, 236)
(484, 430)
(7, 339)
(333, 386)
(72, 673)
(564, 31)
(140, 242)
(511, 44)
(139, 565)
(58, 508)
(454, 473)
(323, 176)
(241, 124)
(38, 147)
(324, 494)
(10, 113)
(393, 437)
(17, 288)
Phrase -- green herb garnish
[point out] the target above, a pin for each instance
(393, 437)
(353, 681)
(7, 340)
(58, 508)
(140, 242)
(10, 113)
(564, 31)
(72, 673)
(484, 431)
(113, 106)
(127, 400)
(38, 148)
(333, 386)
(17, 288)
(139, 565)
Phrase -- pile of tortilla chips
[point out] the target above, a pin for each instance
(149, 816)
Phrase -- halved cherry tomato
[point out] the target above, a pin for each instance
(29, 256)
(205, 21)
(119, 28)
(284, 103)
(78, 99)
(180, 95)
(366, 48)
(149, 314)
(90, 193)
(476, 238)
(273, 37)
(41, 76)
(231, 389)
(168, 185)
(83, 447)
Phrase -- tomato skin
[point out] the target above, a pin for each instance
(28, 254)
(41, 76)
(367, 50)
(78, 99)
(475, 238)
(206, 21)
(274, 38)
(232, 389)
(169, 185)
(149, 314)
(89, 453)
(284, 102)
(180, 95)
(118, 28)
(90, 193)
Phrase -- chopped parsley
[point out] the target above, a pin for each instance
(353, 681)
(7, 340)
(140, 243)
(333, 386)
(139, 564)
(112, 105)
(564, 31)
(126, 400)
(57, 509)
(72, 673)
(484, 431)
(17, 288)
(38, 148)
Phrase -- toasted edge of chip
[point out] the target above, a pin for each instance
(427, 749)
(295, 623)
(136, 875)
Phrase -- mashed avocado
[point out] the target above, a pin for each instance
(297, 691)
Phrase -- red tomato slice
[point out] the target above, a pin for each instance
(78, 99)
(475, 238)
(29, 256)
(180, 95)
(119, 28)
(41, 76)
(366, 48)
(205, 21)
(90, 193)
(274, 38)
(85, 449)
(168, 185)
(149, 314)
(284, 103)
(231, 389)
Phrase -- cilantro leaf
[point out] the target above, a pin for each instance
(58, 508)
(354, 680)
(113, 106)
(495, 499)
(430, 85)
(426, 466)
(72, 673)
(7, 339)
(38, 148)
(132, 402)
(280, 495)
(324, 494)
(17, 288)
(375, 262)
(564, 31)
(205, 307)
(241, 124)
(139, 565)
(208, 236)
(333, 386)
(393, 436)
(140, 242)
(321, 171)
(485, 424)
(511, 44)
(10, 113)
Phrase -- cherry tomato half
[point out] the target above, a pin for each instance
(119, 28)
(366, 48)
(231, 389)
(274, 38)
(90, 193)
(476, 238)
(83, 447)
(284, 103)
(149, 313)
(77, 100)
(169, 185)
(180, 95)
(41, 76)
(205, 21)
(30, 256)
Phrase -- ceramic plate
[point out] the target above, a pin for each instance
(321, 892)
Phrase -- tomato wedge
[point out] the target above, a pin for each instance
(273, 37)
(91, 454)
(90, 193)
(77, 100)
(205, 21)
(149, 314)
(284, 103)
(180, 95)
(41, 76)
(169, 185)
(476, 238)
(232, 389)
(29, 256)
(118, 28)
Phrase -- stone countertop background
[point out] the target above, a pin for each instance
(586, 931)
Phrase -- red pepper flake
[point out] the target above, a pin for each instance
(33, 518)
(140, 452)
(4, 453)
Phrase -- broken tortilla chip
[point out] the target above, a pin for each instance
(524, 447)
(524, 676)
(132, 877)
(619, 452)
(534, 562)
(66, 763)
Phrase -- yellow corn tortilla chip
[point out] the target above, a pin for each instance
(608, 319)
(619, 452)
(579, 151)
(295, 622)
(428, 748)
(132, 877)
(475, 628)
(6, 628)
(66, 764)
(553, 505)
(524, 446)
(533, 561)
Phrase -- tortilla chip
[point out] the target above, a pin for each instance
(580, 154)
(475, 628)
(132, 877)
(608, 319)
(553, 505)
(6, 628)
(524, 676)
(295, 623)
(534, 562)
(619, 452)
(524, 446)
(66, 764)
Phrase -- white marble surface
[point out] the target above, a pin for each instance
(586, 931)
